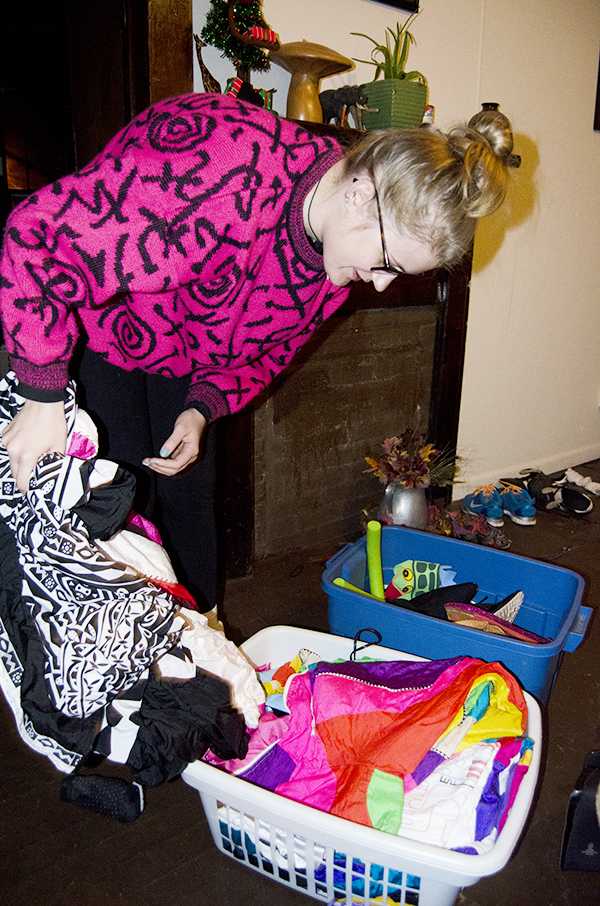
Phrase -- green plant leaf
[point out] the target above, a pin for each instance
(403, 55)
(360, 34)
(390, 58)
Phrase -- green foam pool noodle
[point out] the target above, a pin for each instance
(374, 559)
(342, 583)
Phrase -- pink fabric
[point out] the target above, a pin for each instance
(313, 781)
(81, 447)
(180, 249)
(147, 528)
(269, 731)
(347, 699)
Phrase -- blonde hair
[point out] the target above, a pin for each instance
(434, 184)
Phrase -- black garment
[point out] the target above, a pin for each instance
(179, 721)
(432, 603)
(135, 413)
(108, 506)
(65, 739)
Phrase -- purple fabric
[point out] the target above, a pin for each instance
(394, 674)
(274, 767)
(493, 803)
(426, 766)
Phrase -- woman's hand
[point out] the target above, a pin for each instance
(39, 428)
(182, 447)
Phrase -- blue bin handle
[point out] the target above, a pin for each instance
(578, 629)
(329, 564)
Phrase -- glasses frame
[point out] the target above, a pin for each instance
(386, 267)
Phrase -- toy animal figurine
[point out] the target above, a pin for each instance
(208, 80)
(351, 97)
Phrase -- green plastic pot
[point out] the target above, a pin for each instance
(400, 103)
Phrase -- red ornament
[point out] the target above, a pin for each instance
(267, 37)
(234, 88)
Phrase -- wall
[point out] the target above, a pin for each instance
(311, 484)
(531, 386)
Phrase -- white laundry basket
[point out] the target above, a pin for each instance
(332, 859)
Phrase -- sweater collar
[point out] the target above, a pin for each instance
(302, 246)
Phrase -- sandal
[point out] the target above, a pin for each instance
(567, 499)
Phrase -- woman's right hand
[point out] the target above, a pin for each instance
(39, 428)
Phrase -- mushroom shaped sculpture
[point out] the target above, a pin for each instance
(308, 64)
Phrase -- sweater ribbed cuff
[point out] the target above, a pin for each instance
(208, 400)
(48, 382)
(41, 396)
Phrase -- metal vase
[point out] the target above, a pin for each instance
(404, 506)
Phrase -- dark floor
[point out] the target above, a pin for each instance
(53, 854)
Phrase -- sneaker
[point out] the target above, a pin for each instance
(558, 495)
(518, 504)
(486, 502)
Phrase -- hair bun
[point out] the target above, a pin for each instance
(484, 148)
(495, 128)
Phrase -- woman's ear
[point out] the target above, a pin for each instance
(358, 195)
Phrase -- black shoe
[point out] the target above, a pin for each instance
(567, 499)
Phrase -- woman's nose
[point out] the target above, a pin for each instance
(381, 281)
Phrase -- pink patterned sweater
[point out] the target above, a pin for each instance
(179, 250)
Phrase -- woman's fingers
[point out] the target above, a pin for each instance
(182, 446)
(38, 428)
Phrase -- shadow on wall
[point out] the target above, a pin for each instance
(520, 204)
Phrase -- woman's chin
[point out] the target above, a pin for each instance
(340, 279)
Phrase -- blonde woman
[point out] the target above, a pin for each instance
(191, 260)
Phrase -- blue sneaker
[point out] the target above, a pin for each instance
(518, 504)
(485, 501)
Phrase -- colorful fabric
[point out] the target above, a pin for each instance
(415, 577)
(273, 681)
(180, 250)
(461, 804)
(362, 738)
(477, 618)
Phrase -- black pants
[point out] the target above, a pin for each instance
(135, 413)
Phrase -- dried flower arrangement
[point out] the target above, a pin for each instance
(412, 462)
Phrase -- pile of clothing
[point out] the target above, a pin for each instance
(434, 751)
(101, 650)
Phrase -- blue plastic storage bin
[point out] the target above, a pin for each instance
(552, 607)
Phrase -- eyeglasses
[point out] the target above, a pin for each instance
(386, 267)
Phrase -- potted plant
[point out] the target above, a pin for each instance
(407, 465)
(399, 98)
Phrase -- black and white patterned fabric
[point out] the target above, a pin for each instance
(63, 740)
(101, 624)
